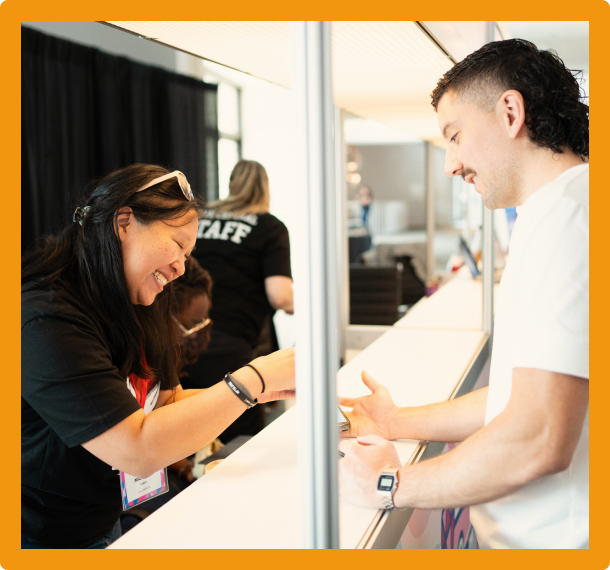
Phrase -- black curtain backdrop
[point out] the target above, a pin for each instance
(85, 113)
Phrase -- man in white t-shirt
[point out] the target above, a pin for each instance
(517, 129)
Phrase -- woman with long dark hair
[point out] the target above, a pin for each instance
(101, 405)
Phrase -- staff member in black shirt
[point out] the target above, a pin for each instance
(247, 252)
(97, 330)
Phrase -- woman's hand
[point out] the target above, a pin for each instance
(276, 395)
(372, 414)
(277, 370)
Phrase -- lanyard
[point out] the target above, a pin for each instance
(135, 490)
(140, 394)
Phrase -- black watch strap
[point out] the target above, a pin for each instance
(240, 391)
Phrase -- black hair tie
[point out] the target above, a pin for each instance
(259, 375)
(80, 214)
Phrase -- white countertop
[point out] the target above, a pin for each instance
(251, 499)
(458, 305)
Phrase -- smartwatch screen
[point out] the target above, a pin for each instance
(385, 482)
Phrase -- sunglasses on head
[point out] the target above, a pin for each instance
(184, 184)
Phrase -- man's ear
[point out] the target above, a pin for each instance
(512, 109)
(123, 219)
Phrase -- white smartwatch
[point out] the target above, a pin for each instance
(386, 485)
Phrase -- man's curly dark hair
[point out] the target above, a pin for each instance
(556, 115)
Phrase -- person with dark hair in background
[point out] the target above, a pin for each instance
(247, 252)
(517, 128)
(100, 398)
(193, 295)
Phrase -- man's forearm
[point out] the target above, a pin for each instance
(446, 421)
(534, 436)
(491, 463)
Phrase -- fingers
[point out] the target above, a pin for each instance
(370, 382)
(347, 445)
(371, 446)
(347, 402)
(276, 395)
(375, 440)
(285, 394)
(371, 439)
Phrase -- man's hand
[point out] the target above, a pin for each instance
(372, 414)
(535, 436)
(359, 470)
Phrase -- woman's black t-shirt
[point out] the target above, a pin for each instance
(71, 392)
(240, 251)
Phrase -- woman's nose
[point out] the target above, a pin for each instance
(178, 267)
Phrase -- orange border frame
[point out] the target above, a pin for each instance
(12, 12)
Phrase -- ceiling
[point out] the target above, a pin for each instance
(261, 49)
(381, 70)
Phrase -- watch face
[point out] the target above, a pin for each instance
(386, 482)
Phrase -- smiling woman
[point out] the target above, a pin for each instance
(154, 254)
(114, 277)
(100, 355)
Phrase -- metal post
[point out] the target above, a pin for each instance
(342, 238)
(430, 261)
(316, 286)
(487, 249)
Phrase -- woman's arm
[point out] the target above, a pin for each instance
(142, 444)
(171, 396)
(279, 293)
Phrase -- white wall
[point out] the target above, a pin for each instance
(268, 137)
(267, 118)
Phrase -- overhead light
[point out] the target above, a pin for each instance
(352, 166)
(353, 178)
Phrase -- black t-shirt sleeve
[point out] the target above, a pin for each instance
(276, 253)
(69, 380)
